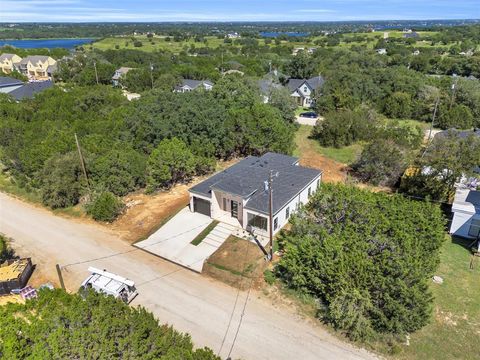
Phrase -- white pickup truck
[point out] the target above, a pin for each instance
(107, 283)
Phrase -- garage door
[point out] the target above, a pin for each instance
(201, 206)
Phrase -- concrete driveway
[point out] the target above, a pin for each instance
(173, 240)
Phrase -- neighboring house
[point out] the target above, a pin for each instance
(466, 214)
(267, 86)
(9, 63)
(29, 90)
(8, 84)
(239, 195)
(381, 51)
(411, 35)
(119, 73)
(233, 35)
(38, 67)
(295, 51)
(189, 85)
(303, 89)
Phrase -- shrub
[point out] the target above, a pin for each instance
(105, 207)
(137, 43)
(381, 163)
(269, 276)
(367, 257)
(61, 181)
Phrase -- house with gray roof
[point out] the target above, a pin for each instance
(8, 84)
(304, 89)
(189, 85)
(30, 89)
(466, 214)
(239, 195)
(120, 73)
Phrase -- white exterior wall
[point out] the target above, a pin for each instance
(302, 198)
(294, 204)
(461, 223)
(221, 214)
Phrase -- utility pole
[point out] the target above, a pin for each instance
(151, 74)
(96, 73)
(454, 87)
(433, 118)
(270, 212)
(82, 162)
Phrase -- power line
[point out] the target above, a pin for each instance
(137, 248)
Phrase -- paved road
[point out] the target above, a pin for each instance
(188, 301)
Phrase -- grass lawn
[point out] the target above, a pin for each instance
(345, 155)
(454, 330)
(200, 237)
(158, 43)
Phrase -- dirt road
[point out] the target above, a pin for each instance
(188, 301)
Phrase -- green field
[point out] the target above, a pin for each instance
(158, 43)
(455, 326)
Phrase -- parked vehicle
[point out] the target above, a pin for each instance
(309, 114)
(107, 283)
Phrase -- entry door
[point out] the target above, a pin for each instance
(234, 209)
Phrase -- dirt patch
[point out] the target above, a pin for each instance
(333, 171)
(238, 263)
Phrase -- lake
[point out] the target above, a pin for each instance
(46, 43)
(275, 34)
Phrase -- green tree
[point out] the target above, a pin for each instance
(398, 105)
(367, 257)
(105, 207)
(120, 171)
(61, 181)
(170, 162)
(281, 99)
(64, 326)
(382, 162)
(458, 116)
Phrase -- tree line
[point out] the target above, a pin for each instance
(153, 143)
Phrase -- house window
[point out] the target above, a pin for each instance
(305, 89)
(287, 212)
(257, 221)
(309, 191)
(275, 224)
(224, 204)
(474, 228)
(318, 183)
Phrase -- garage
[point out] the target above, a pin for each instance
(201, 206)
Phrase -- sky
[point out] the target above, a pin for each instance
(233, 10)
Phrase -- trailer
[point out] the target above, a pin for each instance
(107, 283)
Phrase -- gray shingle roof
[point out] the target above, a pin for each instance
(34, 59)
(461, 134)
(8, 81)
(247, 180)
(29, 90)
(6, 56)
(193, 84)
(267, 86)
(314, 83)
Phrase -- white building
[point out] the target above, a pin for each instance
(303, 90)
(189, 85)
(239, 195)
(466, 214)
